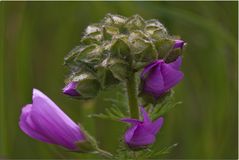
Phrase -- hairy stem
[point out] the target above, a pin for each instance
(132, 96)
(104, 153)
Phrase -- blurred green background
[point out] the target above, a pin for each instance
(37, 35)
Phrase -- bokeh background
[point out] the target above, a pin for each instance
(37, 35)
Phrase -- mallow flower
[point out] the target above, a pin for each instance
(70, 89)
(45, 121)
(159, 77)
(141, 133)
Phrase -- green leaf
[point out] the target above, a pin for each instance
(166, 104)
(91, 54)
(113, 113)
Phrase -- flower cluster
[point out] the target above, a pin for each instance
(111, 52)
(114, 48)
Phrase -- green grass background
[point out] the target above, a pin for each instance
(35, 36)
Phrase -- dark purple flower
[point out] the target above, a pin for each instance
(70, 89)
(179, 44)
(142, 133)
(45, 121)
(159, 77)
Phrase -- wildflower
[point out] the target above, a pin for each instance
(142, 133)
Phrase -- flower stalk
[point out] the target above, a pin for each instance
(132, 96)
(104, 153)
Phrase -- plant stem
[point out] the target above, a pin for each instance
(104, 153)
(132, 96)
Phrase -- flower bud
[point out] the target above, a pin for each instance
(71, 89)
(142, 133)
(45, 121)
(176, 51)
(159, 77)
(117, 41)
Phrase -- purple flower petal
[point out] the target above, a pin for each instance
(48, 123)
(70, 89)
(149, 68)
(160, 77)
(171, 76)
(141, 134)
(129, 133)
(156, 125)
(179, 44)
(141, 137)
(177, 63)
(145, 115)
(28, 126)
(154, 83)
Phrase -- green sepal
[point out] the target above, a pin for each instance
(173, 55)
(150, 99)
(90, 54)
(119, 68)
(88, 85)
(155, 29)
(164, 46)
(120, 48)
(104, 75)
(69, 58)
(89, 145)
(114, 20)
(144, 52)
(111, 71)
(135, 22)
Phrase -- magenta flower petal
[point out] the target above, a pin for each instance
(148, 69)
(179, 44)
(141, 133)
(141, 137)
(154, 83)
(161, 77)
(45, 121)
(28, 126)
(171, 76)
(156, 125)
(177, 63)
(145, 115)
(70, 89)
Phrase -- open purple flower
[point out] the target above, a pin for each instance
(70, 89)
(159, 77)
(45, 121)
(142, 133)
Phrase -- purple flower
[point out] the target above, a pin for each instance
(142, 133)
(179, 44)
(45, 121)
(159, 77)
(70, 89)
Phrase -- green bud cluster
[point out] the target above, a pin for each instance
(114, 48)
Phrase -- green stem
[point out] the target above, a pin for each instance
(104, 153)
(132, 96)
